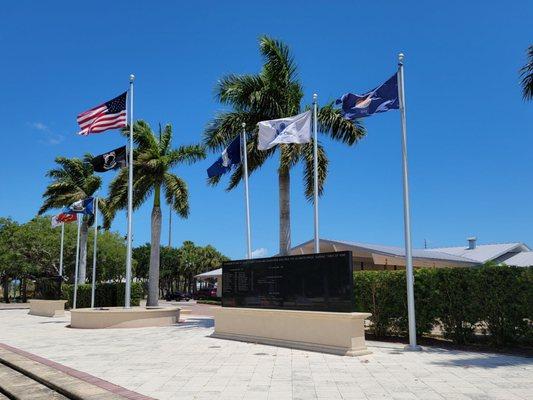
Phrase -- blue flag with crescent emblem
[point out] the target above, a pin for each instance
(85, 206)
(230, 156)
(378, 100)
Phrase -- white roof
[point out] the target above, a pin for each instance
(431, 254)
(483, 252)
(210, 274)
(523, 259)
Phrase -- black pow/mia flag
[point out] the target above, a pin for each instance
(113, 159)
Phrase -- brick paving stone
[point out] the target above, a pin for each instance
(183, 362)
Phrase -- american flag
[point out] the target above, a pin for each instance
(110, 115)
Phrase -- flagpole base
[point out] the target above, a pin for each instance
(410, 347)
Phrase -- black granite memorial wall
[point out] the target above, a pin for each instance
(312, 282)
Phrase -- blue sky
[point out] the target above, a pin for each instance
(470, 133)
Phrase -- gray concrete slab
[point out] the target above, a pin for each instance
(184, 362)
(21, 387)
(28, 379)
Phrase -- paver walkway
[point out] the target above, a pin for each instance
(183, 362)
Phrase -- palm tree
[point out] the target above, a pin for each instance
(275, 93)
(153, 159)
(526, 73)
(73, 180)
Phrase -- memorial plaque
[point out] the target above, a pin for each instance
(312, 282)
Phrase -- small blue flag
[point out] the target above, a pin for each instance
(85, 206)
(378, 100)
(230, 156)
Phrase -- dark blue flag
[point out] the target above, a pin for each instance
(378, 100)
(85, 206)
(230, 156)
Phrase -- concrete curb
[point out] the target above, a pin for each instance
(14, 385)
(67, 381)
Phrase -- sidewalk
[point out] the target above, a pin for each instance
(14, 306)
(183, 362)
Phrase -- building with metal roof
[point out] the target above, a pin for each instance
(373, 256)
(379, 257)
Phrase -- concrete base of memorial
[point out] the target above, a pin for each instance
(119, 317)
(326, 332)
(47, 308)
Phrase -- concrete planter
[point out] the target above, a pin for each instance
(47, 308)
(118, 317)
(327, 332)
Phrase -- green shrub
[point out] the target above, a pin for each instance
(504, 294)
(376, 292)
(383, 293)
(498, 298)
(457, 307)
(106, 295)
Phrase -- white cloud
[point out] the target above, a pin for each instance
(49, 137)
(260, 252)
(39, 126)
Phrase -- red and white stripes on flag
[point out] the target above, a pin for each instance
(110, 115)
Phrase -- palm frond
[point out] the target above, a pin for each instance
(526, 74)
(240, 91)
(186, 154)
(177, 194)
(142, 134)
(165, 139)
(256, 159)
(224, 127)
(289, 156)
(309, 174)
(332, 123)
(73, 180)
(279, 63)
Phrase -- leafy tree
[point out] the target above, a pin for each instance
(153, 160)
(170, 268)
(526, 73)
(73, 180)
(179, 265)
(31, 250)
(141, 255)
(110, 256)
(274, 93)
(8, 254)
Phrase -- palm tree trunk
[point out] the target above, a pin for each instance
(153, 272)
(284, 213)
(82, 274)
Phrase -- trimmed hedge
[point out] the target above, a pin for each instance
(106, 294)
(495, 300)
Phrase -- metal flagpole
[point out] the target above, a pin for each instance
(77, 265)
(170, 226)
(93, 288)
(315, 173)
(61, 254)
(244, 153)
(127, 293)
(407, 215)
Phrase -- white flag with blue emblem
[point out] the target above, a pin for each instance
(295, 129)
